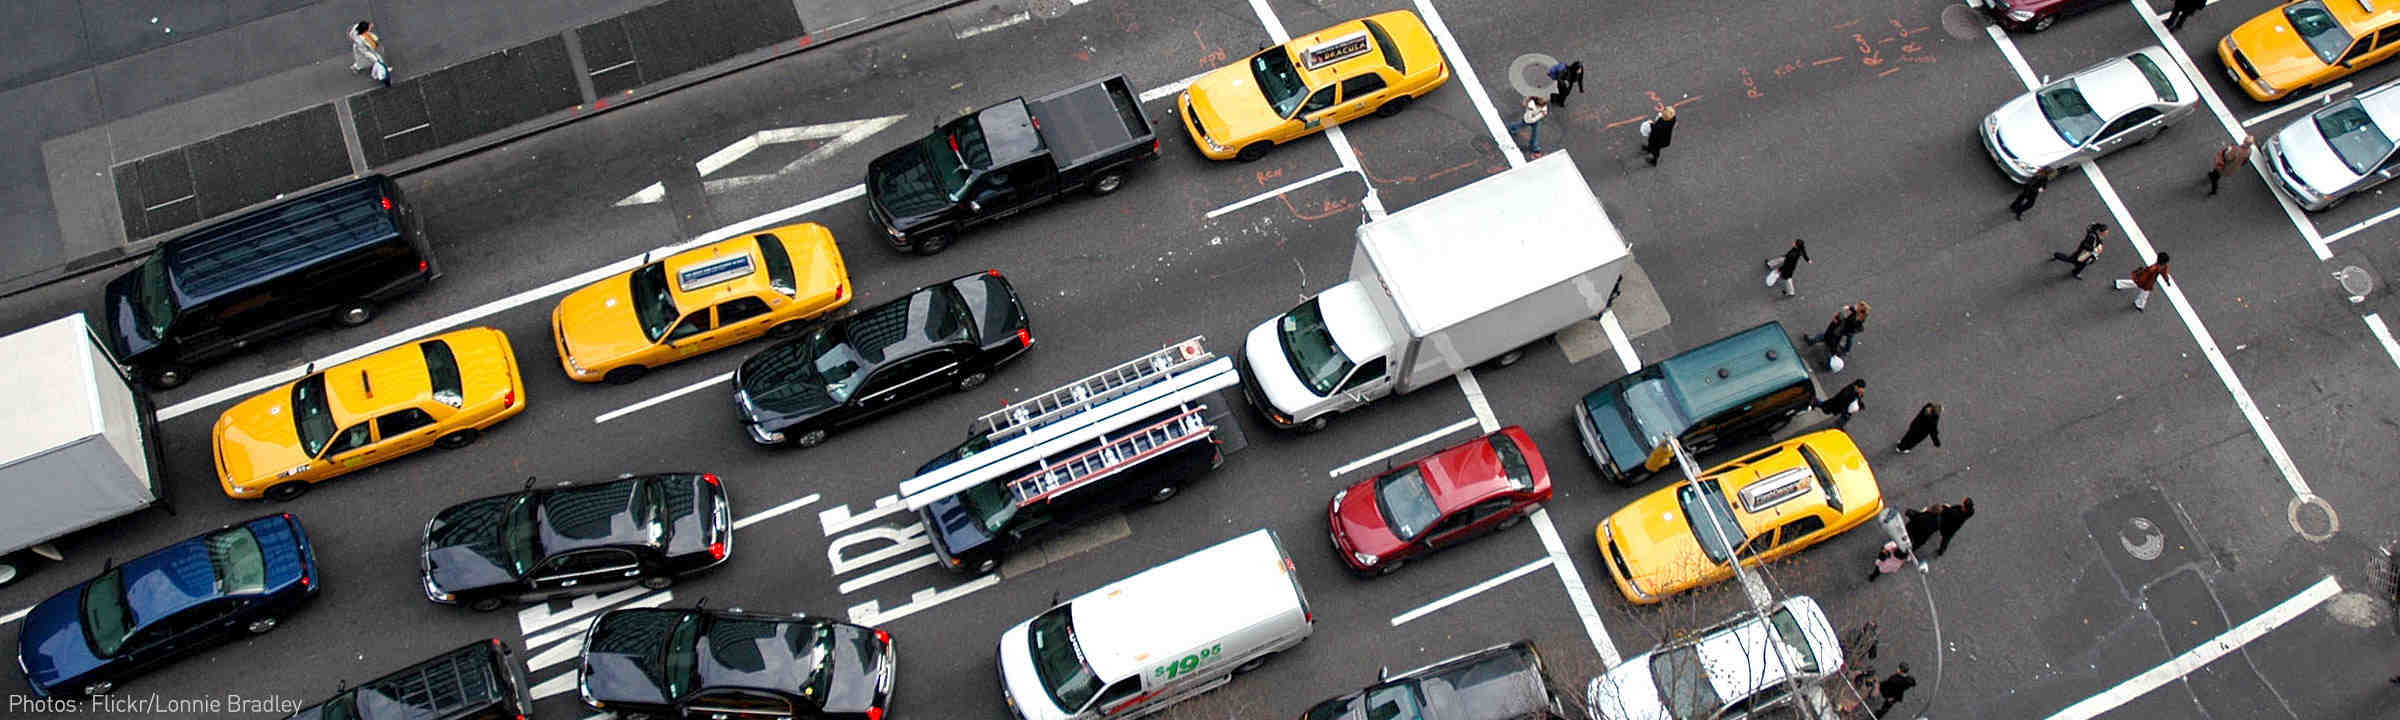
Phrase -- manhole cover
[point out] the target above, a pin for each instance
(2313, 518)
(1963, 22)
(1530, 75)
(2142, 539)
(2355, 281)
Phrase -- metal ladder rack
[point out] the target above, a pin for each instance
(1183, 428)
(1027, 415)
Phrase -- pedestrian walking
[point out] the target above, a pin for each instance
(2145, 279)
(1841, 332)
(2230, 156)
(1927, 425)
(2184, 10)
(366, 53)
(1780, 268)
(1568, 75)
(1887, 561)
(1536, 108)
(2095, 239)
(1922, 524)
(1953, 518)
(1851, 399)
(2031, 191)
(1893, 688)
(1658, 132)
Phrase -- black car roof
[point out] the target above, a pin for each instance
(436, 687)
(642, 633)
(578, 517)
(905, 326)
(273, 241)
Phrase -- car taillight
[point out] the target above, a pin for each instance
(840, 291)
(1153, 145)
(716, 550)
(874, 713)
(387, 204)
(1024, 337)
(509, 400)
(422, 265)
(883, 637)
(303, 579)
(711, 479)
(994, 272)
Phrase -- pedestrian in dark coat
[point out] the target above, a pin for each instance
(1928, 424)
(1922, 524)
(2231, 156)
(2184, 10)
(1781, 267)
(1658, 132)
(1851, 399)
(2030, 192)
(2095, 240)
(1893, 688)
(2145, 279)
(1953, 518)
(1568, 75)
(1841, 332)
(1888, 560)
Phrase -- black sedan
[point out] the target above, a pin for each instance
(669, 662)
(546, 542)
(842, 372)
(1499, 683)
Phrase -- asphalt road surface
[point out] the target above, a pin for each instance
(2182, 511)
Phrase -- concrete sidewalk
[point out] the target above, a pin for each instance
(138, 120)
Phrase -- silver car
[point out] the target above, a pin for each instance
(2338, 150)
(2088, 114)
(1734, 670)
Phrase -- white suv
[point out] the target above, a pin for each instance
(1732, 670)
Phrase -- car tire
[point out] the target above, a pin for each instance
(931, 245)
(486, 604)
(1505, 359)
(788, 329)
(809, 439)
(971, 381)
(1513, 520)
(987, 566)
(98, 688)
(354, 313)
(624, 375)
(1163, 494)
(456, 440)
(2042, 23)
(658, 582)
(1254, 151)
(1393, 106)
(1389, 567)
(1314, 425)
(167, 376)
(1254, 664)
(287, 492)
(1108, 183)
(261, 626)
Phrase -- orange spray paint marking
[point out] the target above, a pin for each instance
(1213, 56)
(1750, 85)
(1266, 175)
(1828, 61)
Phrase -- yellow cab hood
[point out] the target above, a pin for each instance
(2283, 60)
(598, 324)
(1230, 105)
(256, 438)
(1658, 544)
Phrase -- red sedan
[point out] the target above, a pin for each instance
(1487, 484)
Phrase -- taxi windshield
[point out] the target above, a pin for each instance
(1712, 522)
(1059, 662)
(653, 305)
(1278, 80)
(2068, 112)
(2354, 136)
(1308, 345)
(311, 414)
(2319, 28)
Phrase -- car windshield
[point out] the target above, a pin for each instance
(1711, 518)
(957, 150)
(1278, 80)
(311, 414)
(106, 617)
(441, 369)
(1407, 504)
(1787, 629)
(1059, 661)
(1683, 683)
(1816, 466)
(241, 569)
(2157, 76)
(653, 305)
(2317, 26)
(681, 656)
(1395, 702)
(1512, 461)
(2354, 136)
(2064, 105)
(991, 504)
(1655, 412)
(1310, 349)
(521, 536)
(779, 264)
(153, 301)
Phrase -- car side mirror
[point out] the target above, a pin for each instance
(974, 206)
(1383, 673)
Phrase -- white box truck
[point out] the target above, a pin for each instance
(78, 443)
(1469, 277)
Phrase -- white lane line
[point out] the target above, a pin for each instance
(15, 616)
(1401, 448)
(479, 312)
(566, 651)
(1153, 94)
(1271, 194)
(2008, 49)
(912, 564)
(1474, 87)
(837, 519)
(533, 619)
(872, 613)
(1012, 20)
(2362, 225)
(1333, 134)
(1576, 595)
(2375, 324)
(1481, 405)
(1618, 340)
(2206, 653)
(2308, 228)
(2208, 343)
(1471, 591)
(554, 686)
(1266, 17)
(668, 395)
(769, 513)
(2319, 98)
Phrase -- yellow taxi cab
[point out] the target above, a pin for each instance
(699, 300)
(2309, 43)
(1332, 76)
(441, 391)
(1761, 507)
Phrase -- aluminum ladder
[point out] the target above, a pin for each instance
(1028, 415)
(1112, 454)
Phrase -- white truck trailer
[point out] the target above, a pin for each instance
(1472, 276)
(78, 443)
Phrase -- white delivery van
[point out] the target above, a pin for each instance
(1137, 645)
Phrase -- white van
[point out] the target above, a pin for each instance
(1135, 646)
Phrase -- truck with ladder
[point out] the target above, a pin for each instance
(1131, 434)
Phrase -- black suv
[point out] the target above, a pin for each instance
(546, 542)
(842, 372)
(481, 680)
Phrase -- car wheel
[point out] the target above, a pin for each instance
(987, 566)
(1505, 359)
(1108, 182)
(1394, 106)
(931, 245)
(971, 381)
(167, 376)
(787, 329)
(486, 604)
(810, 439)
(98, 688)
(354, 313)
(1163, 494)
(1389, 567)
(1254, 664)
(1254, 151)
(287, 492)
(625, 374)
(2042, 23)
(1517, 518)
(658, 582)
(456, 440)
(262, 626)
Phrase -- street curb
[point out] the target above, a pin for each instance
(107, 259)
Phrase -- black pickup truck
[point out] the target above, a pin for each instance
(1006, 158)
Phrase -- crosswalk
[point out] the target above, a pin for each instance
(871, 547)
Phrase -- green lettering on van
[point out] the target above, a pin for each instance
(1189, 663)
